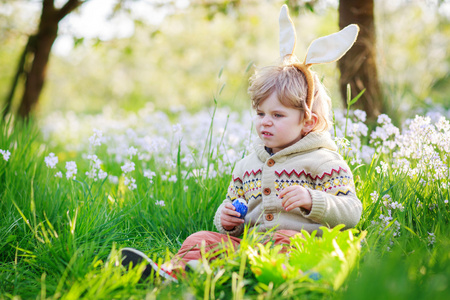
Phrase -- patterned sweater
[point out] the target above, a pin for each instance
(312, 163)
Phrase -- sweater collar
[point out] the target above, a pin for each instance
(312, 141)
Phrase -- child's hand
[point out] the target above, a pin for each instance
(295, 196)
(229, 217)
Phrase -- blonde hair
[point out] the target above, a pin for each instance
(290, 85)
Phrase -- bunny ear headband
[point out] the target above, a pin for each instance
(323, 50)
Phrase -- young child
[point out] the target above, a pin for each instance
(294, 179)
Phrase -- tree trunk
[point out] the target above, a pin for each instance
(19, 72)
(45, 37)
(358, 67)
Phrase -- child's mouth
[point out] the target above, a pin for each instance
(265, 133)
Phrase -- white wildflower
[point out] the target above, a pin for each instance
(71, 168)
(95, 172)
(396, 205)
(130, 182)
(367, 153)
(132, 151)
(149, 174)
(342, 142)
(51, 160)
(170, 163)
(443, 125)
(177, 128)
(383, 119)
(95, 139)
(173, 178)
(92, 174)
(95, 161)
(431, 238)
(160, 202)
(361, 129)
(383, 169)
(59, 174)
(356, 161)
(113, 179)
(374, 196)
(387, 197)
(102, 174)
(128, 167)
(6, 154)
(360, 115)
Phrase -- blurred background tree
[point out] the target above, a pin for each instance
(35, 56)
(359, 67)
(171, 55)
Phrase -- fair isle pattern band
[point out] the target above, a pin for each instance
(302, 172)
(335, 185)
(336, 182)
(247, 174)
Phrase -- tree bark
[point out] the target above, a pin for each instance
(19, 72)
(358, 67)
(45, 37)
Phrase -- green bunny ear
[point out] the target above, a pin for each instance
(331, 47)
(288, 36)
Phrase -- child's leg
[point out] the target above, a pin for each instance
(190, 250)
(282, 237)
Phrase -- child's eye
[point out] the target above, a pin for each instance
(278, 116)
(260, 114)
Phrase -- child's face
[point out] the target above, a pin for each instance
(277, 125)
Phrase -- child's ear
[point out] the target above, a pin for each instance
(308, 125)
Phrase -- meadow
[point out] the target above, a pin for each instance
(127, 149)
(76, 188)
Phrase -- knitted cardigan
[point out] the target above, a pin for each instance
(312, 163)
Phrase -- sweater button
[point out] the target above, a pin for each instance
(270, 162)
(267, 191)
(269, 217)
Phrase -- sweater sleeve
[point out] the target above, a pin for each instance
(235, 190)
(334, 199)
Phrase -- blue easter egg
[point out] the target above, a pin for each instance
(314, 275)
(241, 207)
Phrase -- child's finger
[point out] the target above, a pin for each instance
(230, 210)
(230, 206)
(289, 201)
(284, 192)
(291, 206)
(231, 221)
(286, 195)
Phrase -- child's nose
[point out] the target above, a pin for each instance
(266, 121)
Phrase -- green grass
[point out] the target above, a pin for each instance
(56, 234)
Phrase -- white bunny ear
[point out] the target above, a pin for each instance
(331, 47)
(288, 36)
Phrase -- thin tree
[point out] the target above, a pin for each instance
(359, 66)
(37, 51)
